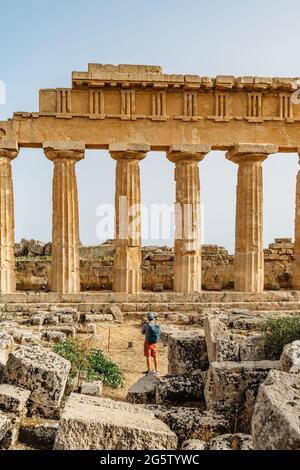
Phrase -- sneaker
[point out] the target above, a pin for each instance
(146, 372)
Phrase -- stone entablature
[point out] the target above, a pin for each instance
(144, 92)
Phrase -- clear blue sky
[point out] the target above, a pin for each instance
(41, 42)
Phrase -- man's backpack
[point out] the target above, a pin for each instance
(153, 335)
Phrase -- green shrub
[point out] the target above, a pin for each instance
(277, 332)
(71, 349)
(100, 367)
(91, 362)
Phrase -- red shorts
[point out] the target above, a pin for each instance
(150, 350)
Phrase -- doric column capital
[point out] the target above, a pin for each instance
(188, 152)
(9, 149)
(250, 153)
(64, 150)
(127, 151)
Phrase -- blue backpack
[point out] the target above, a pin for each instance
(153, 333)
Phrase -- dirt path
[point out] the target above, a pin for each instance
(130, 360)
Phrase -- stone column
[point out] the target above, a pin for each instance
(65, 273)
(296, 267)
(8, 151)
(187, 243)
(127, 265)
(249, 255)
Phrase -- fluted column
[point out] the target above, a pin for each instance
(187, 243)
(8, 151)
(127, 265)
(65, 272)
(249, 255)
(296, 267)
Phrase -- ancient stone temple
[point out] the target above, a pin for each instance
(130, 110)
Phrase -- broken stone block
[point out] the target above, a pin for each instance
(54, 336)
(26, 336)
(5, 424)
(107, 424)
(51, 319)
(252, 349)
(116, 313)
(220, 346)
(12, 398)
(191, 423)
(166, 332)
(290, 358)
(91, 329)
(229, 383)
(237, 441)
(227, 350)
(275, 423)
(38, 433)
(94, 318)
(92, 388)
(41, 371)
(38, 319)
(36, 247)
(11, 437)
(6, 340)
(68, 330)
(144, 390)
(66, 318)
(68, 311)
(180, 389)
(187, 352)
(193, 444)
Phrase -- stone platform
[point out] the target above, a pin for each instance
(165, 303)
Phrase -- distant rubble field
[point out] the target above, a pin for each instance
(33, 259)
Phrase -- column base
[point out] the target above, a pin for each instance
(249, 272)
(296, 272)
(127, 281)
(7, 281)
(187, 273)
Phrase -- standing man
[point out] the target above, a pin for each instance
(151, 330)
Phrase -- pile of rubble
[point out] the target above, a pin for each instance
(220, 393)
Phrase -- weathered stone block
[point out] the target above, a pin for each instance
(275, 423)
(231, 442)
(179, 389)
(252, 349)
(38, 433)
(41, 371)
(54, 336)
(144, 390)
(13, 399)
(220, 346)
(187, 352)
(5, 424)
(231, 388)
(92, 388)
(11, 436)
(6, 340)
(290, 358)
(194, 444)
(192, 423)
(98, 423)
(115, 311)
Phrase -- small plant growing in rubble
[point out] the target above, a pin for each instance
(92, 363)
(277, 332)
(100, 367)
